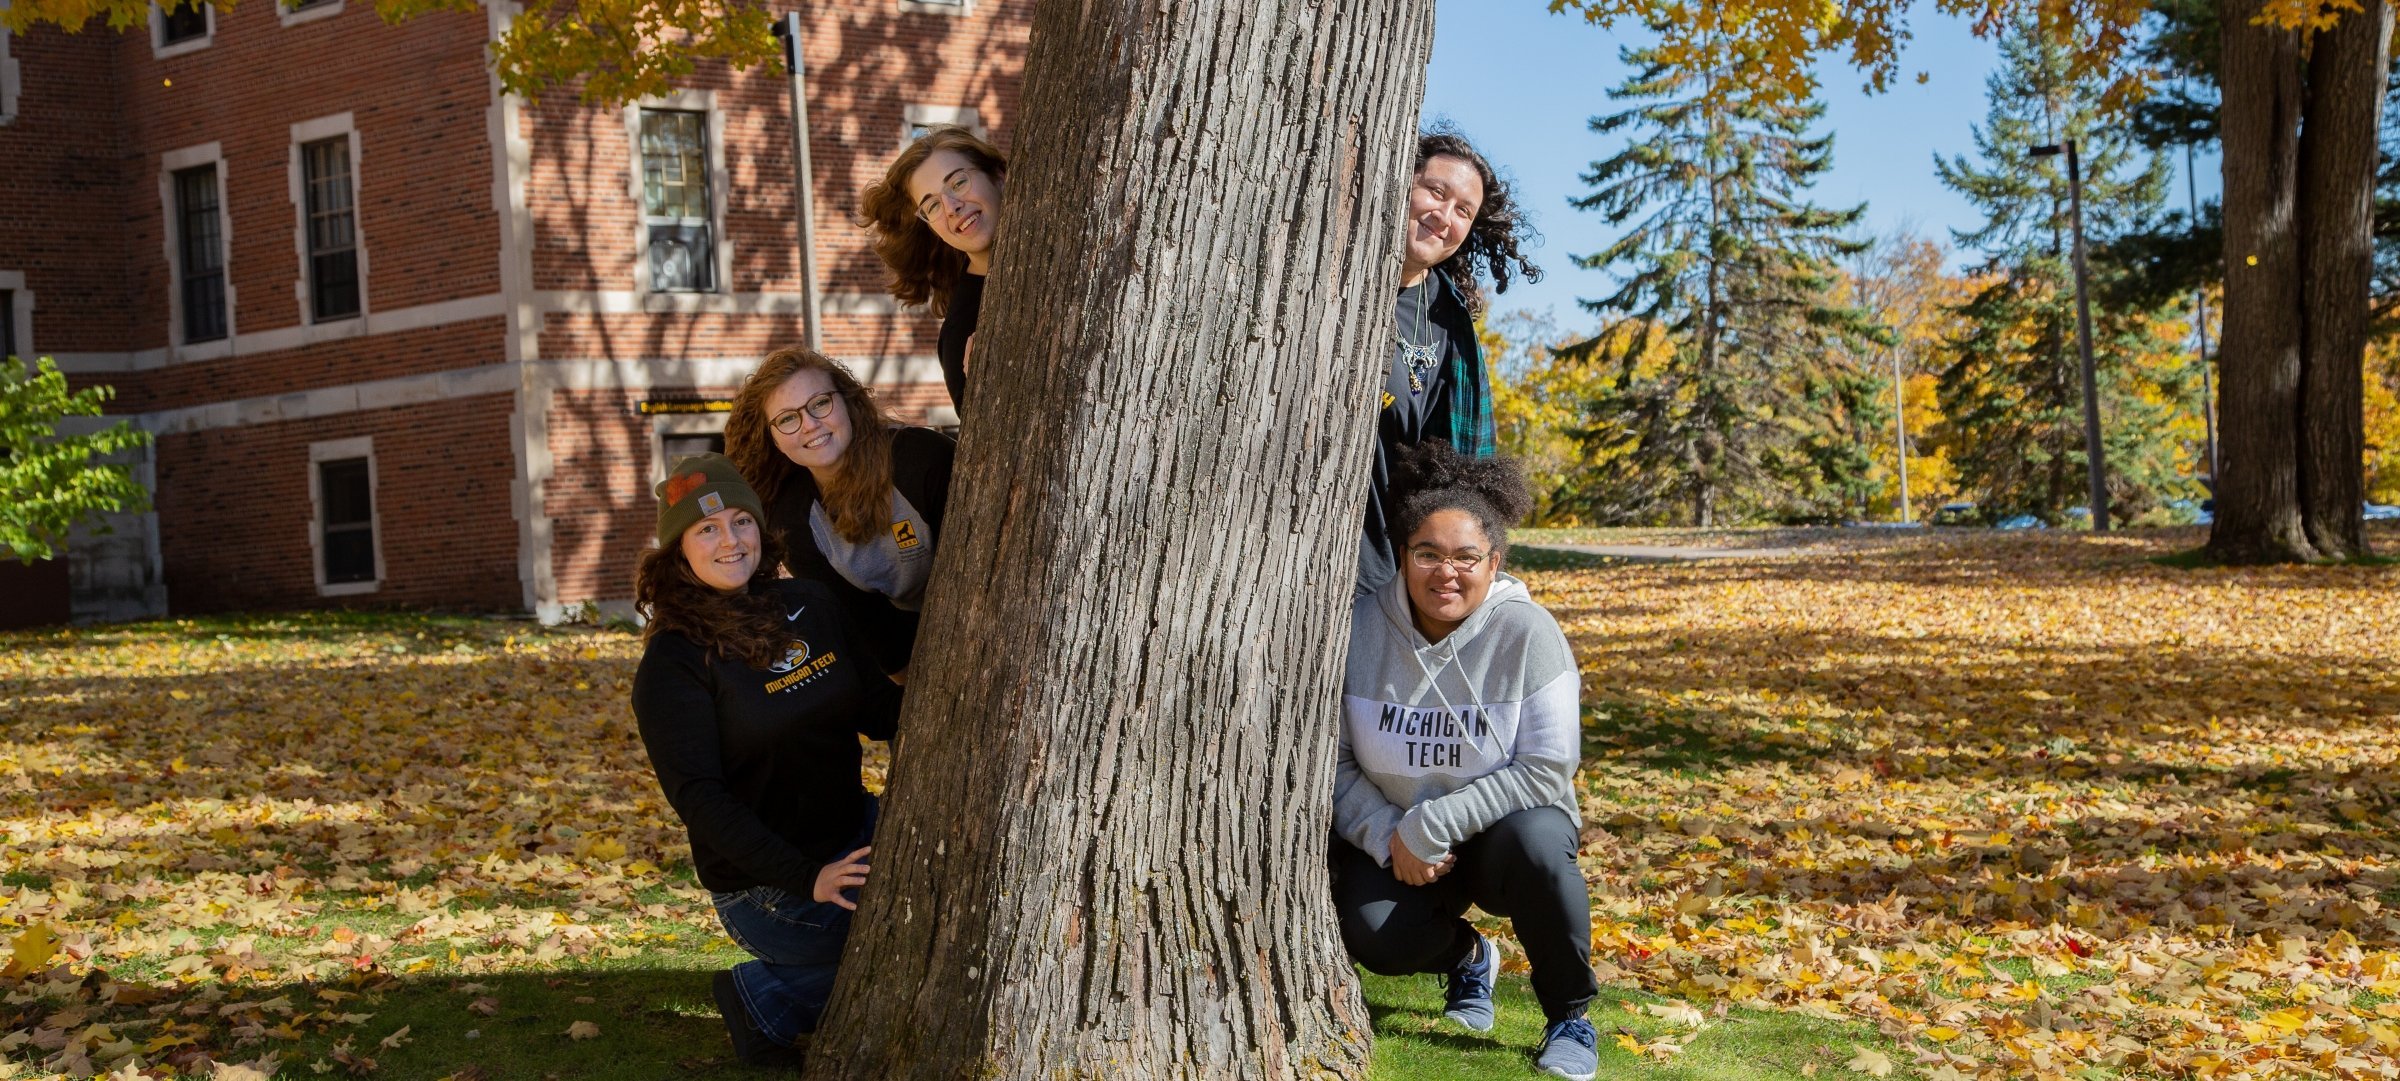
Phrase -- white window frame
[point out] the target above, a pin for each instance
(913, 117)
(719, 190)
(678, 424)
(170, 163)
(937, 7)
(160, 50)
(334, 450)
(288, 15)
(338, 125)
(12, 82)
(12, 282)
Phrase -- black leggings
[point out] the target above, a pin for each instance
(1523, 868)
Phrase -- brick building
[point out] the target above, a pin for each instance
(405, 340)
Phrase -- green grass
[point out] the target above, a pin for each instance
(1413, 1043)
(658, 1021)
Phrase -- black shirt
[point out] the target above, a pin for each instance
(1411, 411)
(958, 324)
(762, 765)
(921, 459)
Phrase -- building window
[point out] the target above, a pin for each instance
(8, 81)
(346, 509)
(934, 7)
(332, 229)
(675, 211)
(200, 253)
(295, 12)
(8, 323)
(916, 120)
(675, 448)
(182, 21)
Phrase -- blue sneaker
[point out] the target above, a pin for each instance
(1468, 998)
(1570, 1049)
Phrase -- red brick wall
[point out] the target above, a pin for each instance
(598, 496)
(62, 219)
(326, 364)
(867, 63)
(417, 93)
(234, 511)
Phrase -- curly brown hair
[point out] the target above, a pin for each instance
(748, 624)
(860, 496)
(1494, 243)
(923, 268)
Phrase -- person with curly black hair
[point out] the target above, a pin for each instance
(1463, 224)
(1454, 779)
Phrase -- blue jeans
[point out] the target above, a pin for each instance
(798, 942)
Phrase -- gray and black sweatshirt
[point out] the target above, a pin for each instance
(1440, 740)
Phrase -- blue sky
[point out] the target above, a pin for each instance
(1522, 83)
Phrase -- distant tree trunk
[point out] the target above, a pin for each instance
(1103, 848)
(2338, 154)
(2297, 266)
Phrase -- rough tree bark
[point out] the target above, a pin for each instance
(2339, 149)
(2298, 259)
(1103, 846)
(2258, 489)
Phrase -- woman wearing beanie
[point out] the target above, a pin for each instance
(1454, 781)
(1463, 224)
(932, 218)
(855, 500)
(751, 696)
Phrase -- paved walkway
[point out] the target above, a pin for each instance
(1660, 553)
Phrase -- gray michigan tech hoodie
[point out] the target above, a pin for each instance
(1440, 740)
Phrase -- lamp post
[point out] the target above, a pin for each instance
(803, 190)
(2095, 458)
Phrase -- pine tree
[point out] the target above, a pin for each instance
(1750, 412)
(2011, 387)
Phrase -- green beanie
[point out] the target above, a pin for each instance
(697, 487)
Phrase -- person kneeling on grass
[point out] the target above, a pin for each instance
(751, 697)
(1459, 741)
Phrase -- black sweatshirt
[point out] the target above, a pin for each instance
(958, 324)
(921, 460)
(762, 765)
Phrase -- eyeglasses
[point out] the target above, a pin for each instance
(954, 186)
(788, 421)
(1428, 559)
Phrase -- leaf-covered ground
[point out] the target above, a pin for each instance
(2034, 805)
(2030, 805)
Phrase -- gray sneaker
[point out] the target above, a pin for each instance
(1468, 997)
(1570, 1049)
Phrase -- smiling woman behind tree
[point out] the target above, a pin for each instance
(1453, 785)
(751, 699)
(1463, 224)
(855, 500)
(933, 219)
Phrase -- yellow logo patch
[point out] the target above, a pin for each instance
(1388, 399)
(904, 534)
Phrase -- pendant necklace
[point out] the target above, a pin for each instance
(1420, 356)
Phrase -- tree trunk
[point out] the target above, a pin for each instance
(1103, 848)
(2258, 497)
(2338, 154)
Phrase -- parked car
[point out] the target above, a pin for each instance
(2382, 512)
(2021, 521)
(1954, 514)
(2192, 511)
